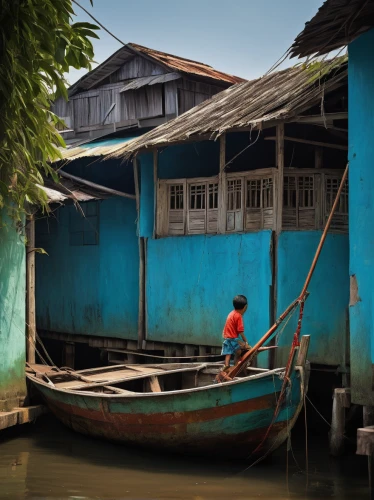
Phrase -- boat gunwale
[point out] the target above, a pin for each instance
(131, 394)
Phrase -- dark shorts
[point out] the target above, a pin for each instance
(230, 346)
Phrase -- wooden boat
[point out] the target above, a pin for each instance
(178, 407)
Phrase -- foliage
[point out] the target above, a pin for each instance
(318, 69)
(38, 44)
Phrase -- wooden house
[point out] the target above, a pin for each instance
(137, 88)
(337, 24)
(231, 197)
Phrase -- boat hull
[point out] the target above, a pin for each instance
(230, 418)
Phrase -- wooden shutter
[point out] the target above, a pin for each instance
(331, 185)
(290, 202)
(196, 215)
(234, 213)
(306, 202)
(253, 212)
(176, 204)
(212, 210)
(299, 201)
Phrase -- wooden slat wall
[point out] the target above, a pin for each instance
(137, 68)
(190, 93)
(171, 90)
(89, 108)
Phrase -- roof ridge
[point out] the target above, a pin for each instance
(136, 45)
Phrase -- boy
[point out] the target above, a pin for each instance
(233, 328)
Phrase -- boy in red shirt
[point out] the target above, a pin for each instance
(233, 328)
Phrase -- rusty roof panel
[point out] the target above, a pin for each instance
(186, 65)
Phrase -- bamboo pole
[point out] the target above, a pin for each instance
(141, 311)
(247, 356)
(105, 189)
(30, 291)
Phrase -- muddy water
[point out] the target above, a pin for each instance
(46, 460)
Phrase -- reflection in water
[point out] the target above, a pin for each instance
(49, 461)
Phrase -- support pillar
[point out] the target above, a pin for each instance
(69, 354)
(365, 446)
(368, 415)
(142, 260)
(341, 401)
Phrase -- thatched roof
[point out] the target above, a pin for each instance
(336, 24)
(277, 96)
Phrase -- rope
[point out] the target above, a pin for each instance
(306, 446)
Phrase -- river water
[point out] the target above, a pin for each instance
(46, 460)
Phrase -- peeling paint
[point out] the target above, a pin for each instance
(353, 291)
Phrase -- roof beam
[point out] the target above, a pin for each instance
(320, 118)
(105, 189)
(312, 143)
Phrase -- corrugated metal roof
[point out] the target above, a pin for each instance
(186, 65)
(169, 61)
(150, 80)
(336, 24)
(277, 96)
(67, 190)
(95, 148)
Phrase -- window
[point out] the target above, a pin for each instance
(176, 209)
(84, 228)
(234, 214)
(259, 212)
(248, 202)
(340, 220)
(299, 194)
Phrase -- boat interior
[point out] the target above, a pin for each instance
(130, 379)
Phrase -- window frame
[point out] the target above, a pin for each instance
(251, 218)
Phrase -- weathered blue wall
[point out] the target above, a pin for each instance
(191, 281)
(91, 289)
(326, 309)
(12, 315)
(146, 219)
(361, 214)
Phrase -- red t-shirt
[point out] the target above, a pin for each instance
(233, 326)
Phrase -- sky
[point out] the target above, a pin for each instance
(240, 37)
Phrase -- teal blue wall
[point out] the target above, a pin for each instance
(12, 315)
(361, 214)
(326, 309)
(146, 219)
(91, 289)
(191, 281)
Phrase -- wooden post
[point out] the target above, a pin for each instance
(69, 355)
(278, 211)
(141, 311)
(368, 415)
(30, 291)
(303, 350)
(365, 446)
(280, 177)
(155, 182)
(341, 401)
(222, 185)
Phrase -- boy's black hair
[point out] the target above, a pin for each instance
(239, 302)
